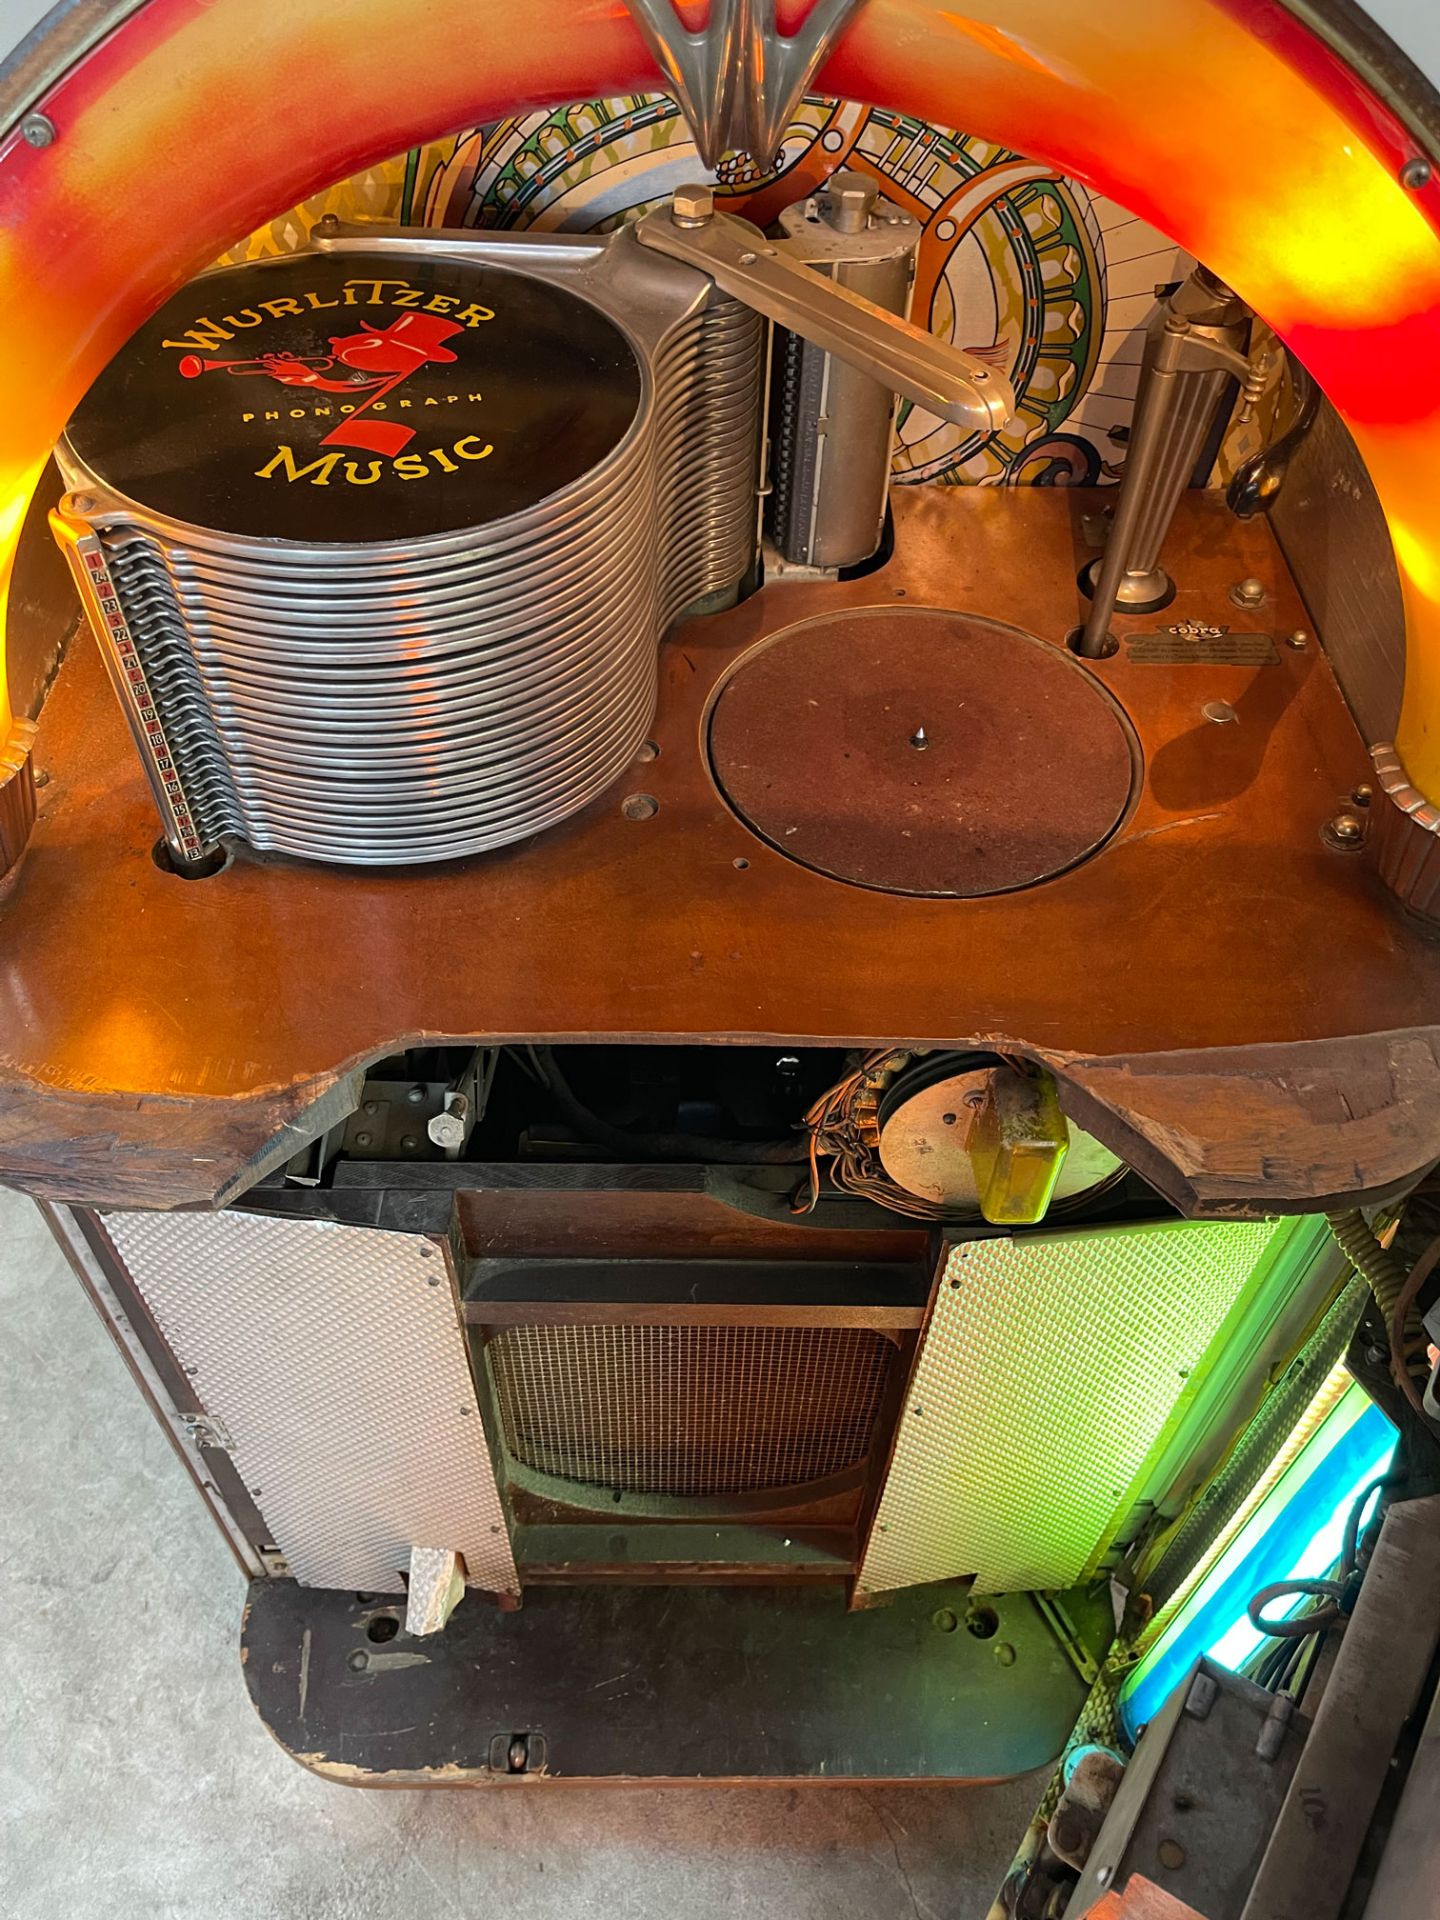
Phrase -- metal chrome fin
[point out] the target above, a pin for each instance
(739, 80)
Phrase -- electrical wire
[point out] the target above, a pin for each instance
(849, 1139)
(1286, 1662)
(1395, 1293)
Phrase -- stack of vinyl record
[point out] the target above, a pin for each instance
(391, 538)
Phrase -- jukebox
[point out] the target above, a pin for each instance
(721, 829)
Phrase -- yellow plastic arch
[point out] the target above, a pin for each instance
(1222, 121)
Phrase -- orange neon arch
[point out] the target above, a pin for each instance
(1222, 121)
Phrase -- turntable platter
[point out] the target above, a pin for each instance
(923, 752)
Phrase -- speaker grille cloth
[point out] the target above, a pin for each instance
(689, 1410)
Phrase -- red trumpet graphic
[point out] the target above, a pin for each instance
(378, 359)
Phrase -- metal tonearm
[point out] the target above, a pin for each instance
(741, 261)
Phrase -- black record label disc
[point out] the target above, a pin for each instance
(358, 397)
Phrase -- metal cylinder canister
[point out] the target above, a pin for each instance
(832, 427)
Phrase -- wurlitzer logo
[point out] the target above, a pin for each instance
(376, 362)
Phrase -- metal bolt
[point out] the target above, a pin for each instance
(920, 740)
(640, 806)
(980, 376)
(649, 751)
(1415, 174)
(1299, 640)
(1345, 831)
(448, 1129)
(692, 206)
(363, 1139)
(358, 1661)
(328, 223)
(518, 1754)
(1362, 796)
(849, 198)
(1248, 592)
(1220, 711)
(747, 259)
(1171, 1854)
(416, 1096)
(37, 130)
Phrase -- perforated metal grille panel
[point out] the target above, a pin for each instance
(689, 1410)
(335, 1360)
(1047, 1373)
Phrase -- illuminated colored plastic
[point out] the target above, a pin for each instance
(1017, 1145)
(1222, 121)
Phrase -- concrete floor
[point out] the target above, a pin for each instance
(136, 1781)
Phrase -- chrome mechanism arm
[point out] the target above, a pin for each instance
(742, 262)
(739, 80)
(1182, 363)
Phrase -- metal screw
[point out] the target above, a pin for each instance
(1345, 832)
(409, 1142)
(363, 1139)
(328, 223)
(372, 1106)
(747, 259)
(979, 376)
(650, 751)
(1104, 1875)
(1299, 640)
(1248, 592)
(37, 130)
(1415, 174)
(1375, 1353)
(358, 1661)
(416, 1096)
(1171, 1854)
(640, 806)
(1005, 1653)
(692, 206)
(1362, 796)
(1220, 711)
(920, 740)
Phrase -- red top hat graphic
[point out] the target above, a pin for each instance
(376, 359)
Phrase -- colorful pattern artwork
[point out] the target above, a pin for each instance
(1048, 281)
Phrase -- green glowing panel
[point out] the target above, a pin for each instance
(1050, 1372)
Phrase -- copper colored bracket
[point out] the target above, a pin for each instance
(17, 794)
